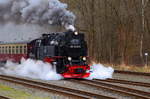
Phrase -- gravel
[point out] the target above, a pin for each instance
(147, 89)
(88, 88)
(137, 78)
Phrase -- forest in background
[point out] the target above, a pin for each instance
(117, 31)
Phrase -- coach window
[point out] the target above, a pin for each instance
(0, 49)
(20, 49)
(17, 50)
(5, 49)
(25, 49)
(13, 50)
(9, 49)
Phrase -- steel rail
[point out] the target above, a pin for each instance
(126, 82)
(55, 88)
(144, 93)
(132, 73)
(113, 88)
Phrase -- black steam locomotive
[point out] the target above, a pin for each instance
(67, 51)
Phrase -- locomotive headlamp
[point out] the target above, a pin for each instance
(69, 58)
(84, 58)
(76, 33)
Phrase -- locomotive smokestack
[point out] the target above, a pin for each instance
(70, 28)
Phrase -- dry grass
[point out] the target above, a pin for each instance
(133, 68)
(129, 68)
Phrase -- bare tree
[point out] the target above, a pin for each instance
(117, 31)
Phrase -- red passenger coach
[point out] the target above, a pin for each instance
(13, 51)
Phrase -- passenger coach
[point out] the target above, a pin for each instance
(13, 51)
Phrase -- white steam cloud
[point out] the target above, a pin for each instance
(32, 69)
(45, 71)
(100, 72)
(50, 12)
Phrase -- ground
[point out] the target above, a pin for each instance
(16, 93)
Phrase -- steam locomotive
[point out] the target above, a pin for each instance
(67, 51)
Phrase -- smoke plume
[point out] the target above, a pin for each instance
(50, 12)
(11, 32)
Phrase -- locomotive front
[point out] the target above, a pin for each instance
(75, 52)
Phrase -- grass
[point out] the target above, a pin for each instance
(133, 68)
(17, 94)
(145, 69)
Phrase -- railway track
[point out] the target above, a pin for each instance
(126, 82)
(132, 73)
(136, 94)
(77, 94)
(3, 97)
